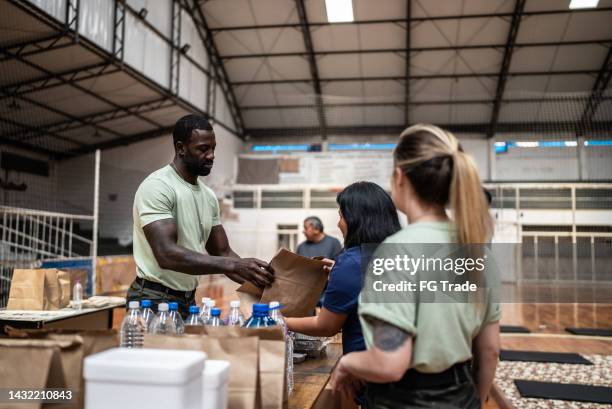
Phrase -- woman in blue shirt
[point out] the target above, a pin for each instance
(367, 216)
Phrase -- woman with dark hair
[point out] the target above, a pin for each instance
(367, 216)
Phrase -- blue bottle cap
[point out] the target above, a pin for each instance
(261, 308)
(194, 309)
(146, 303)
(215, 312)
(173, 306)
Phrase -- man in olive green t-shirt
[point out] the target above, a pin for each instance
(176, 218)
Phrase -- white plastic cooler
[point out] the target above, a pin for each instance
(123, 378)
(214, 384)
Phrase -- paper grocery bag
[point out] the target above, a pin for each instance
(91, 342)
(241, 352)
(299, 282)
(36, 289)
(63, 279)
(71, 348)
(271, 381)
(272, 385)
(34, 364)
(27, 290)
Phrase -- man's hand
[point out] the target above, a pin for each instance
(235, 278)
(256, 271)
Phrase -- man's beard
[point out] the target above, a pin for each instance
(198, 169)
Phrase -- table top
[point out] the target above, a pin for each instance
(311, 376)
(50, 316)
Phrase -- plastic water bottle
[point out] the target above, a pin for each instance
(133, 327)
(77, 296)
(163, 323)
(215, 318)
(235, 316)
(204, 301)
(277, 316)
(194, 316)
(147, 313)
(176, 317)
(260, 317)
(208, 306)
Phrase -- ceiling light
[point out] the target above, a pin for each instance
(339, 11)
(583, 4)
(527, 144)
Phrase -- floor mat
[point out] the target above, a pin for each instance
(592, 332)
(564, 391)
(545, 357)
(513, 329)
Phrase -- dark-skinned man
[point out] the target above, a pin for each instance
(176, 217)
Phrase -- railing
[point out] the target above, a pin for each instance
(27, 237)
(578, 250)
(578, 257)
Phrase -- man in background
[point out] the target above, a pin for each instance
(317, 243)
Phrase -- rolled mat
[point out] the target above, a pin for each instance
(564, 391)
(547, 357)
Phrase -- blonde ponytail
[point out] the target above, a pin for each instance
(468, 202)
(443, 174)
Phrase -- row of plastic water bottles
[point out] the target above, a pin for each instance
(141, 319)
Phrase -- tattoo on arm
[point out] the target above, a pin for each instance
(388, 337)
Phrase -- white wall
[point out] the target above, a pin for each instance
(597, 163)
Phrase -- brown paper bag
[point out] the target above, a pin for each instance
(36, 364)
(272, 386)
(299, 282)
(271, 382)
(72, 361)
(63, 279)
(35, 289)
(242, 354)
(66, 366)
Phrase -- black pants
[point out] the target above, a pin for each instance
(158, 293)
(461, 394)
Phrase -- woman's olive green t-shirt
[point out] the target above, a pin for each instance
(442, 331)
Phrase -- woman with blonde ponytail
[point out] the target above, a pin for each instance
(428, 354)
